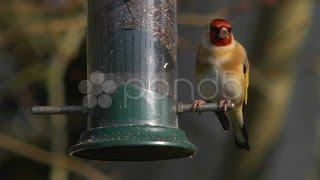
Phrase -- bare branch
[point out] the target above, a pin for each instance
(37, 154)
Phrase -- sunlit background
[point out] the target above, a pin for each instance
(43, 59)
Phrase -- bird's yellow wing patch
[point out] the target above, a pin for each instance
(246, 72)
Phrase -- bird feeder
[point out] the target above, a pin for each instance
(132, 43)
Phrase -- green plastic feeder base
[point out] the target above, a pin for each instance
(133, 143)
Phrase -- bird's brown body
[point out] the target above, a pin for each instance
(226, 69)
(222, 74)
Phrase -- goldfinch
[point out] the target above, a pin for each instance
(222, 75)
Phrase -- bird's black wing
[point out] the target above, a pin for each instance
(223, 119)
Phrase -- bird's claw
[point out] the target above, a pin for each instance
(197, 104)
(224, 104)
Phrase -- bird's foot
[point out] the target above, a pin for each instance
(224, 104)
(197, 104)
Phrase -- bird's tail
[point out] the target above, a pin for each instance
(241, 138)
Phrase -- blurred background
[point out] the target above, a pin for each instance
(43, 59)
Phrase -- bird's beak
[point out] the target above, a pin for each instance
(224, 33)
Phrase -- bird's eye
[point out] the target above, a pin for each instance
(229, 29)
(214, 29)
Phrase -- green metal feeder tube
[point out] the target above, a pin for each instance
(133, 44)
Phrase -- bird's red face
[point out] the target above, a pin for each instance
(220, 32)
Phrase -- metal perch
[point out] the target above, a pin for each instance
(181, 108)
(59, 110)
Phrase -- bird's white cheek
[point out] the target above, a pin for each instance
(206, 42)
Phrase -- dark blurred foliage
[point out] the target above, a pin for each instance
(283, 47)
